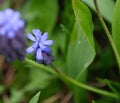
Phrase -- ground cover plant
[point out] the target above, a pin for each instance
(59, 51)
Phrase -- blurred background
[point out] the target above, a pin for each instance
(20, 81)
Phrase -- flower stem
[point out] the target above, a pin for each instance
(84, 86)
(40, 66)
(107, 33)
(66, 78)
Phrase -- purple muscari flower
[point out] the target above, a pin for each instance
(10, 23)
(40, 46)
(12, 41)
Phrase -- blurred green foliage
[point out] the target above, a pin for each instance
(77, 36)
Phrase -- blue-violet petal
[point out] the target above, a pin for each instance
(39, 54)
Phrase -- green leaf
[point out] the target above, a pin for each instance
(116, 25)
(35, 98)
(80, 53)
(84, 19)
(106, 8)
(81, 50)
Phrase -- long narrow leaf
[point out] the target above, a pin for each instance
(116, 25)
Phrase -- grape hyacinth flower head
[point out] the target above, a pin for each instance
(41, 46)
(12, 41)
(10, 22)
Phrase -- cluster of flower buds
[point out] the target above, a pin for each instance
(12, 40)
(40, 47)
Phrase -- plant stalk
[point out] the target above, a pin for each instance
(107, 33)
(84, 86)
(53, 70)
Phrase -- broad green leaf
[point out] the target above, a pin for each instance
(106, 8)
(116, 25)
(40, 14)
(80, 55)
(35, 98)
(84, 20)
(81, 51)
